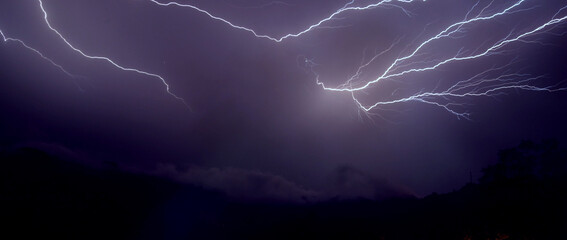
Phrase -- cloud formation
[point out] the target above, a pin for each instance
(345, 183)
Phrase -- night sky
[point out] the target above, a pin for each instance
(256, 124)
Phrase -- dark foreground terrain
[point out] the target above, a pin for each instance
(523, 196)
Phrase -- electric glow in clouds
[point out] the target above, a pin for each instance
(489, 82)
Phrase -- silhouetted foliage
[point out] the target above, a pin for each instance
(528, 160)
(523, 196)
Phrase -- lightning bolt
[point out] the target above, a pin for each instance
(461, 89)
(452, 91)
(162, 79)
(40, 54)
(274, 3)
(467, 88)
(345, 8)
(480, 85)
(106, 59)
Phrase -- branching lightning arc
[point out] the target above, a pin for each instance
(489, 82)
(9, 39)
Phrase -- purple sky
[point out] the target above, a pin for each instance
(256, 110)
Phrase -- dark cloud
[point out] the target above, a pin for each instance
(259, 124)
(241, 184)
(345, 183)
(350, 183)
(56, 150)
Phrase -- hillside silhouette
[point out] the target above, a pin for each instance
(522, 196)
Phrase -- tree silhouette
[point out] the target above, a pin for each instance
(528, 160)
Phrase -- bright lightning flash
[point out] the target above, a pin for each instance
(113, 63)
(482, 84)
(477, 86)
(9, 39)
(346, 8)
